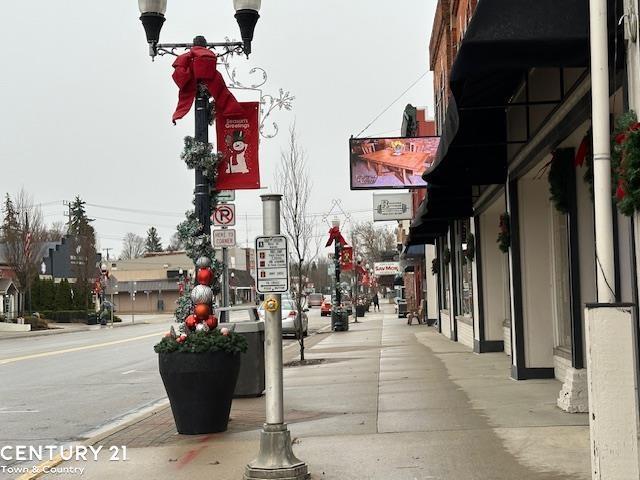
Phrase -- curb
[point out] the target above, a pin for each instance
(59, 331)
(37, 470)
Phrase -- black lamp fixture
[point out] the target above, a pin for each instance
(247, 16)
(152, 17)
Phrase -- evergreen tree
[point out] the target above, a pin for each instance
(153, 242)
(84, 242)
(63, 295)
(10, 223)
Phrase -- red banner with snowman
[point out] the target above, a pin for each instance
(238, 138)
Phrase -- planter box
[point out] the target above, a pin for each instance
(14, 327)
(200, 388)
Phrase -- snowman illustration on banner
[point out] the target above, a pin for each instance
(237, 149)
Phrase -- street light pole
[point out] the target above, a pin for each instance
(202, 202)
(275, 459)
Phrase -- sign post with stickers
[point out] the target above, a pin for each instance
(275, 458)
(272, 271)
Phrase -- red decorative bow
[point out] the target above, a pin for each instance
(334, 234)
(581, 154)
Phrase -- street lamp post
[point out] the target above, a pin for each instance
(152, 16)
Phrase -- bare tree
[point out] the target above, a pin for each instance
(133, 246)
(23, 234)
(372, 242)
(56, 231)
(293, 181)
(175, 243)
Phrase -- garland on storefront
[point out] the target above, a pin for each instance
(504, 234)
(559, 177)
(470, 252)
(435, 266)
(625, 156)
(446, 256)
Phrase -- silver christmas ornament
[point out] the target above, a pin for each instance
(201, 294)
(202, 327)
(203, 262)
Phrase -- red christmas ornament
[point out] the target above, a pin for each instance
(191, 322)
(202, 311)
(212, 322)
(205, 276)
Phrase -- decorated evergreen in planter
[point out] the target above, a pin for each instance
(504, 235)
(625, 156)
(200, 363)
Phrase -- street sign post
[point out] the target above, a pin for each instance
(224, 215)
(224, 238)
(272, 271)
(226, 196)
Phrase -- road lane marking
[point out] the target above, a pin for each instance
(77, 349)
(128, 372)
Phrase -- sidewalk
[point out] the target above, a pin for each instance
(387, 401)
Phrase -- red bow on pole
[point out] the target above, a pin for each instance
(199, 65)
(334, 234)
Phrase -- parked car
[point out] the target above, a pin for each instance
(289, 315)
(325, 308)
(315, 299)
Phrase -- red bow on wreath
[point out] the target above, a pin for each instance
(334, 234)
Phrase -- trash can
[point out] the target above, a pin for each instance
(251, 378)
(360, 309)
(339, 320)
(402, 309)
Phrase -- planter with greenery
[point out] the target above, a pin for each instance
(200, 363)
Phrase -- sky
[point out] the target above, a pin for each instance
(84, 110)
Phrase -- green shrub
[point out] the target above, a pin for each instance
(65, 316)
(36, 323)
(116, 319)
(202, 342)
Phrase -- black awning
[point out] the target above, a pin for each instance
(504, 39)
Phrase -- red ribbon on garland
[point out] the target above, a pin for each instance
(581, 154)
(335, 235)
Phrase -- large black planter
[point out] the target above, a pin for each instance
(200, 389)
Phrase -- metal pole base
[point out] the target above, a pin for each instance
(276, 459)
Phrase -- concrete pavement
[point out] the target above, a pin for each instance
(385, 401)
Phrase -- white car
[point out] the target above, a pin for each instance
(289, 314)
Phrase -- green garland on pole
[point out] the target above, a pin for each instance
(625, 156)
(504, 235)
(446, 256)
(470, 252)
(435, 266)
(197, 243)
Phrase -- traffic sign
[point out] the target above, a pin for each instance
(224, 238)
(272, 266)
(224, 215)
(226, 196)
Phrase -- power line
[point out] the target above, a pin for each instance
(391, 104)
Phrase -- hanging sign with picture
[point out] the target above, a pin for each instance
(238, 143)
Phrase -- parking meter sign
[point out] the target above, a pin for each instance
(272, 270)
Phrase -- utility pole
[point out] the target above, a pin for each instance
(107, 250)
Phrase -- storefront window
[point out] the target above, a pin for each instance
(465, 269)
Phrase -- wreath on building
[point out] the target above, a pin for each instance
(470, 251)
(435, 266)
(504, 233)
(560, 166)
(625, 156)
(446, 256)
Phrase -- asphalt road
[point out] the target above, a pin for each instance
(58, 389)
